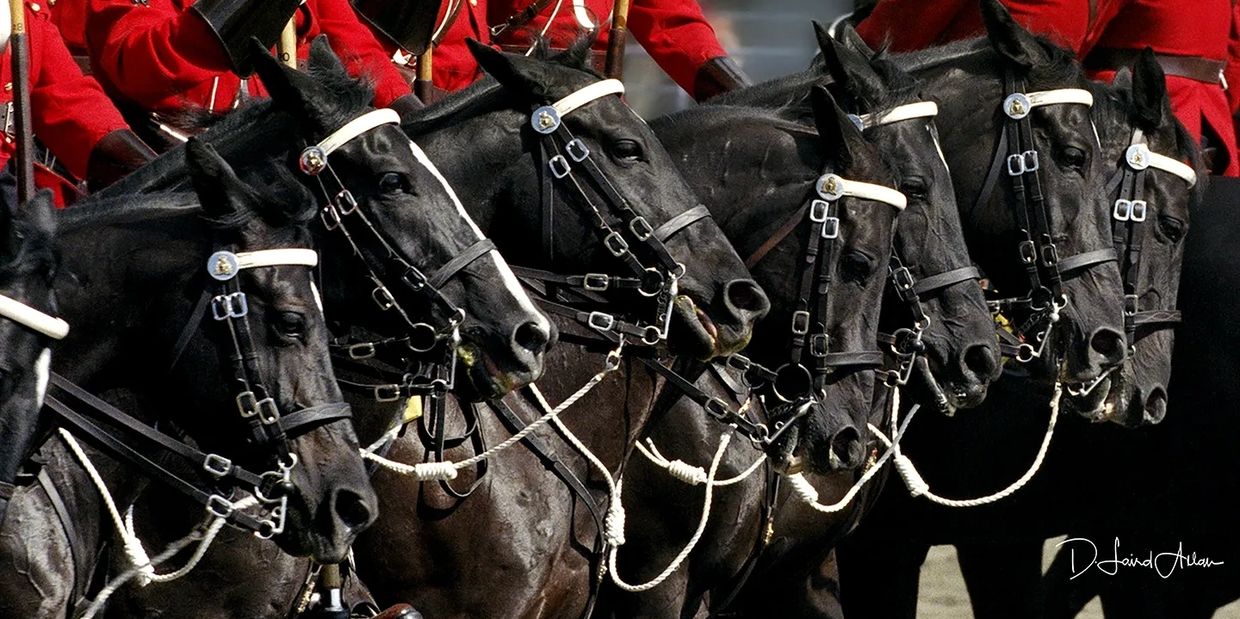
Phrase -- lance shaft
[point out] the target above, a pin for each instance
(19, 49)
(619, 35)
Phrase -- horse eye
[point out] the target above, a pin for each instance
(391, 183)
(1072, 157)
(627, 150)
(1171, 228)
(291, 324)
(915, 187)
(856, 266)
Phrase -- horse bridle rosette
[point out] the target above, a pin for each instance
(1016, 156)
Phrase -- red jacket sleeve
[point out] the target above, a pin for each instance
(1232, 72)
(71, 112)
(908, 25)
(153, 51)
(676, 35)
(359, 50)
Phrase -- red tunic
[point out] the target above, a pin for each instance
(70, 111)
(674, 32)
(452, 66)
(1172, 27)
(163, 57)
(1232, 73)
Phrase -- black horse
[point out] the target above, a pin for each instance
(540, 559)
(407, 225)
(949, 451)
(29, 260)
(134, 271)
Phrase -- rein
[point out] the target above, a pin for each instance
(1016, 154)
(113, 431)
(1129, 212)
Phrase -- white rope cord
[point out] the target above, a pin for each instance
(676, 562)
(447, 470)
(918, 487)
(142, 566)
(688, 473)
(807, 493)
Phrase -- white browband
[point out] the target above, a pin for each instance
(357, 127)
(588, 94)
(224, 265)
(32, 318)
(832, 187)
(1018, 105)
(314, 158)
(1140, 157)
(921, 109)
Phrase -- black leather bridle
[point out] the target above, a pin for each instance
(1017, 157)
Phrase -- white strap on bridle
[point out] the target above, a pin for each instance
(1140, 157)
(314, 158)
(225, 265)
(31, 318)
(588, 94)
(832, 187)
(356, 127)
(277, 258)
(1019, 105)
(921, 109)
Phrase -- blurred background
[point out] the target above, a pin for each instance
(768, 39)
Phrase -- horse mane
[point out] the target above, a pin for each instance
(487, 95)
(1061, 64)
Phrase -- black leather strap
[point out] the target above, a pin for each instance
(462, 260)
(1087, 259)
(943, 280)
(680, 222)
(302, 421)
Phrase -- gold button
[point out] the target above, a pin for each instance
(473, 2)
(35, 7)
(8, 86)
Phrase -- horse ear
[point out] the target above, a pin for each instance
(852, 40)
(511, 70)
(323, 57)
(294, 90)
(221, 192)
(830, 55)
(1149, 91)
(37, 214)
(834, 127)
(1009, 38)
(1122, 79)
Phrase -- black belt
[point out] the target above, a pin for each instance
(1205, 70)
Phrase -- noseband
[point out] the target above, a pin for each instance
(565, 160)
(906, 343)
(112, 430)
(1129, 212)
(1016, 154)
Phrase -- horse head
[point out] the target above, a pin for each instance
(269, 355)
(1148, 199)
(940, 327)
(429, 268)
(611, 201)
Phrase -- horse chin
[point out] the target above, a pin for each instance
(930, 392)
(1097, 400)
(303, 539)
(696, 335)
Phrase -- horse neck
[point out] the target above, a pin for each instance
(122, 285)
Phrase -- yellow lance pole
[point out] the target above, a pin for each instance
(614, 67)
(286, 48)
(19, 46)
(424, 80)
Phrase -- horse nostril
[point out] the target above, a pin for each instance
(351, 508)
(1155, 406)
(531, 336)
(846, 452)
(1109, 343)
(746, 296)
(980, 360)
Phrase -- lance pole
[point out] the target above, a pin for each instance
(19, 48)
(286, 48)
(614, 67)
